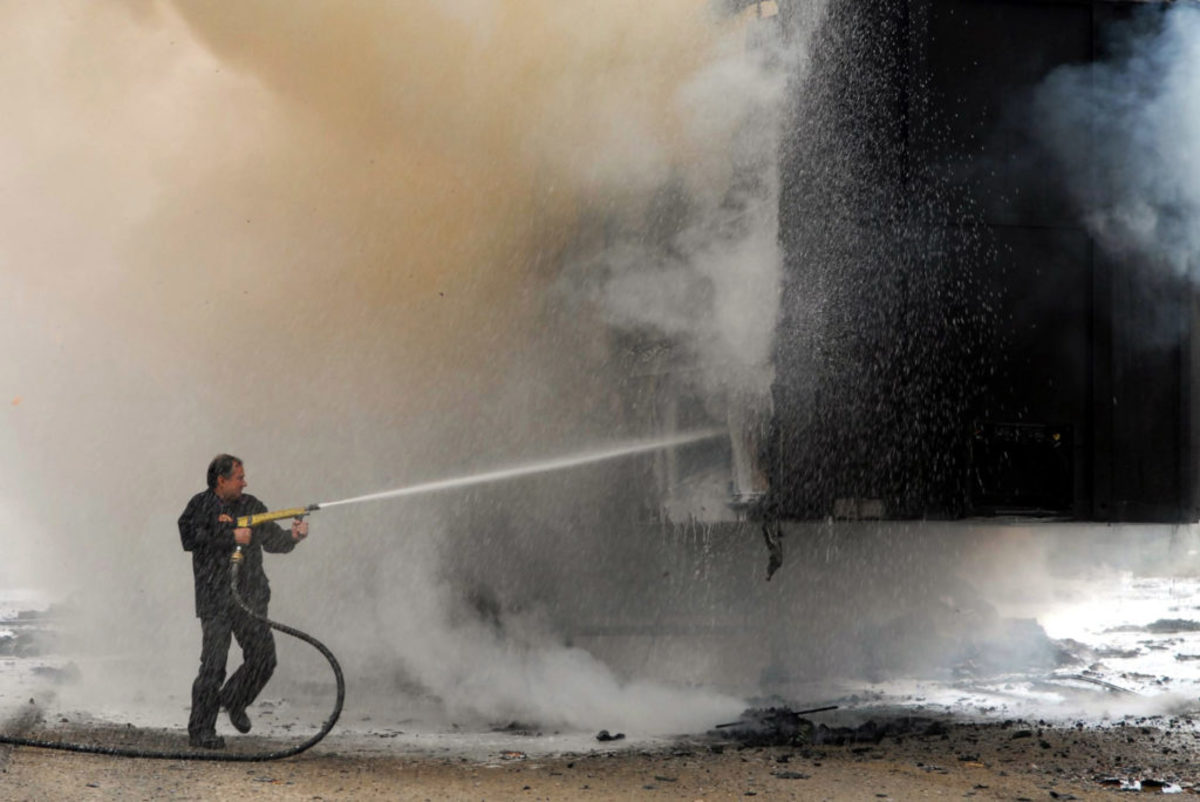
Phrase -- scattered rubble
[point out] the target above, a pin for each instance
(518, 728)
(781, 726)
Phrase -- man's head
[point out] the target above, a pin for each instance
(226, 477)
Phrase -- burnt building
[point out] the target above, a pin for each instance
(954, 340)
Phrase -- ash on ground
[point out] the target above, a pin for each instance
(782, 726)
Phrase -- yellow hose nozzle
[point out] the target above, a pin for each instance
(275, 515)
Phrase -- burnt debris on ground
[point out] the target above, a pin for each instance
(782, 726)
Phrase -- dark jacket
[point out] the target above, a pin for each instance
(211, 543)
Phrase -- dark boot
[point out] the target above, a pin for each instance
(239, 719)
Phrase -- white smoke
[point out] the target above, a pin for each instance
(1127, 130)
(707, 276)
(325, 239)
(515, 667)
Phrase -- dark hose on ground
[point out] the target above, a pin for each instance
(231, 757)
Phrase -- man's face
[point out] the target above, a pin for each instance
(231, 489)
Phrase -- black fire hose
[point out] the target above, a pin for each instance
(231, 757)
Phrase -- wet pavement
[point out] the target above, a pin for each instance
(1125, 646)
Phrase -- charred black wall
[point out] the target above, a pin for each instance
(953, 342)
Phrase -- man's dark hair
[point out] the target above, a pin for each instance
(222, 465)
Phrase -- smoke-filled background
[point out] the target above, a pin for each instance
(1125, 134)
(368, 245)
(359, 246)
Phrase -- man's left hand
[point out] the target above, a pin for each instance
(299, 529)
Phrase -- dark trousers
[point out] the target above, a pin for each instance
(210, 692)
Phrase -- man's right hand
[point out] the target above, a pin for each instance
(241, 536)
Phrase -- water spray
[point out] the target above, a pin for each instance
(616, 451)
(545, 466)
